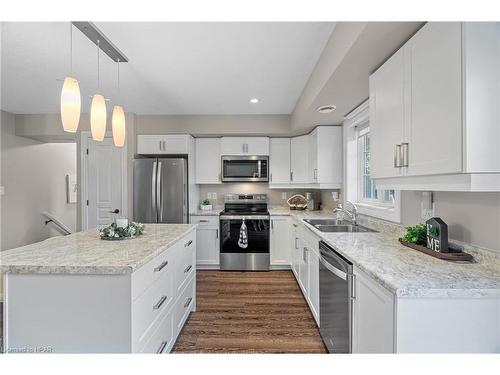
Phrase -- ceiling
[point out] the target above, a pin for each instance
(174, 68)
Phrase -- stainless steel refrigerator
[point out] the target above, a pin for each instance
(160, 190)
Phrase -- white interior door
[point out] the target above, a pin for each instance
(106, 186)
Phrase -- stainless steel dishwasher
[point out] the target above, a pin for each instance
(335, 300)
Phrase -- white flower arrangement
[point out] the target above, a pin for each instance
(113, 232)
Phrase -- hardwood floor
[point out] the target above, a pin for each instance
(249, 312)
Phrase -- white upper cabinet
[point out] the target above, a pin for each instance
(299, 161)
(325, 156)
(163, 144)
(435, 128)
(279, 161)
(434, 111)
(387, 116)
(245, 146)
(208, 161)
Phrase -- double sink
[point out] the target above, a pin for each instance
(334, 226)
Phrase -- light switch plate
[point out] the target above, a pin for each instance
(214, 196)
(283, 195)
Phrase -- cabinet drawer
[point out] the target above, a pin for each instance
(309, 239)
(205, 221)
(154, 269)
(156, 300)
(186, 261)
(185, 304)
(162, 340)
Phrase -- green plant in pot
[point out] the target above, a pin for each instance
(416, 234)
(205, 204)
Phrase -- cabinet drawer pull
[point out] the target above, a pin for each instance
(188, 243)
(188, 268)
(304, 254)
(404, 154)
(162, 347)
(188, 302)
(296, 246)
(159, 303)
(204, 221)
(161, 266)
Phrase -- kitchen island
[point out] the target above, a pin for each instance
(80, 294)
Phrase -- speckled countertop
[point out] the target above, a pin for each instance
(215, 211)
(406, 272)
(85, 253)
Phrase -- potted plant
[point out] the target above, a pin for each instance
(206, 205)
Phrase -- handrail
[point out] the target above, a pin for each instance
(58, 224)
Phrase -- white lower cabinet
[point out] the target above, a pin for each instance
(372, 316)
(313, 292)
(294, 249)
(280, 252)
(208, 241)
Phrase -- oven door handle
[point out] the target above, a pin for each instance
(246, 217)
(333, 269)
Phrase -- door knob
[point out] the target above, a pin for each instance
(115, 211)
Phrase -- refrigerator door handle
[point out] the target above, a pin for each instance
(153, 190)
(159, 195)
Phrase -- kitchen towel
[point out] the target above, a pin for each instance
(243, 240)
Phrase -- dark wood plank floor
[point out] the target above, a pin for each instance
(249, 312)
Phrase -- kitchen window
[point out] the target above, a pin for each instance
(360, 188)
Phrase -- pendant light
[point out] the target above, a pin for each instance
(118, 119)
(70, 95)
(98, 109)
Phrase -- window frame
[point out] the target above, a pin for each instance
(355, 123)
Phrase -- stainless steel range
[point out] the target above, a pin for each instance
(244, 247)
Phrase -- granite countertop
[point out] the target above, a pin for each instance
(215, 211)
(406, 272)
(85, 253)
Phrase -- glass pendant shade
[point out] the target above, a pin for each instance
(98, 117)
(118, 125)
(70, 105)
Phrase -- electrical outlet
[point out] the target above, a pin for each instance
(283, 195)
(214, 196)
(335, 195)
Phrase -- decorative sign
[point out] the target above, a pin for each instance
(437, 235)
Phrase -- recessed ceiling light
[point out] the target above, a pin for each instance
(326, 108)
(254, 100)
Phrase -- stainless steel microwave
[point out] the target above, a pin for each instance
(245, 168)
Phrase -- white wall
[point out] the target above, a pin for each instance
(473, 218)
(34, 177)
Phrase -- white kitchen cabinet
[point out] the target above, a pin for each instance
(446, 107)
(208, 242)
(313, 291)
(208, 161)
(177, 144)
(435, 123)
(279, 241)
(303, 270)
(372, 316)
(279, 161)
(387, 111)
(245, 146)
(299, 160)
(325, 156)
(295, 249)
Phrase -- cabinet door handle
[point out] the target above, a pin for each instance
(161, 266)
(295, 245)
(353, 287)
(271, 177)
(159, 303)
(204, 221)
(164, 145)
(304, 254)
(188, 268)
(397, 154)
(188, 302)
(291, 176)
(217, 233)
(272, 224)
(187, 244)
(294, 225)
(404, 154)
(219, 177)
(162, 347)
(315, 174)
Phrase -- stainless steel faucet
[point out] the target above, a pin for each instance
(352, 214)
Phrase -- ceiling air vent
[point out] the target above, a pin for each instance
(326, 108)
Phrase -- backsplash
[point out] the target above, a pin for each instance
(276, 197)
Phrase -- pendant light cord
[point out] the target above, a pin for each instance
(98, 81)
(119, 96)
(71, 49)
